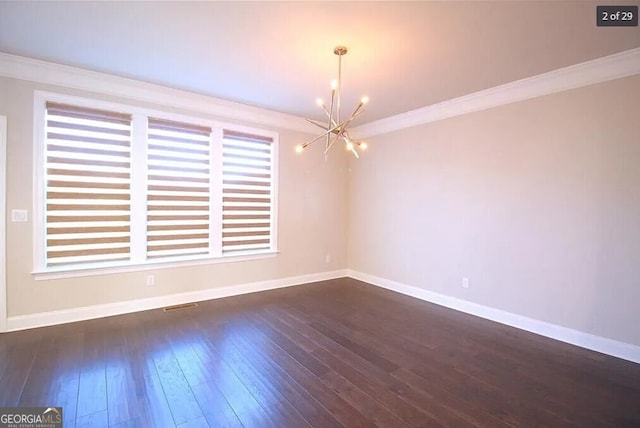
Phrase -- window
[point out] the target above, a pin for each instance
(88, 193)
(178, 188)
(123, 186)
(246, 190)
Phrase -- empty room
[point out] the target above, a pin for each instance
(319, 214)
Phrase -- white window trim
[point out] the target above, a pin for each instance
(3, 224)
(215, 232)
(139, 180)
(139, 114)
(60, 273)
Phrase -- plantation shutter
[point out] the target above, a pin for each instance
(88, 185)
(247, 192)
(178, 180)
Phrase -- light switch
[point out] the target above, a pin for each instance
(19, 216)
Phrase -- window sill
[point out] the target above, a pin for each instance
(77, 272)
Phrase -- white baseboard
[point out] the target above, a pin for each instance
(23, 322)
(575, 337)
(604, 345)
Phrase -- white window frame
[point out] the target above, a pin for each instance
(3, 225)
(138, 220)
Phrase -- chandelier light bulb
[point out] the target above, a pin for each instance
(349, 146)
(364, 99)
(334, 84)
(319, 102)
(299, 148)
(363, 146)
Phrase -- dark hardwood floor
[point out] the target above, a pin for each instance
(335, 353)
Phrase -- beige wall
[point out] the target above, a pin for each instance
(537, 202)
(312, 223)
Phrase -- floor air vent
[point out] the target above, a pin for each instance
(180, 307)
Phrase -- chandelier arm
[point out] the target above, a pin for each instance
(357, 112)
(330, 114)
(337, 128)
(342, 129)
(324, 134)
(330, 145)
(353, 149)
(343, 126)
(329, 132)
(333, 122)
(318, 124)
(353, 141)
(348, 140)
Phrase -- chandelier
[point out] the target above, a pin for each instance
(336, 127)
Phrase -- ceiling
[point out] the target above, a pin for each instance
(279, 55)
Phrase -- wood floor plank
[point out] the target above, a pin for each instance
(12, 382)
(61, 393)
(53, 380)
(362, 402)
(135, 396)
(342, 411)
(17, 367)
(132, 423)
(94, 420)
(151, 403)
(338, 371)
(310, 409)
(217, 411)
(92, 389)
(377, 383)
(184, 406)
(245, 406)
(259, 384)
(122, 402)
(200, 422)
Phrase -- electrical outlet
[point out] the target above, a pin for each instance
(465, 282)
(151, 280)
(327, 258)
(19, 216)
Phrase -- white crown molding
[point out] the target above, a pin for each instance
(34, 70)
(22, 322)
(604, 345)
(599, 70)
